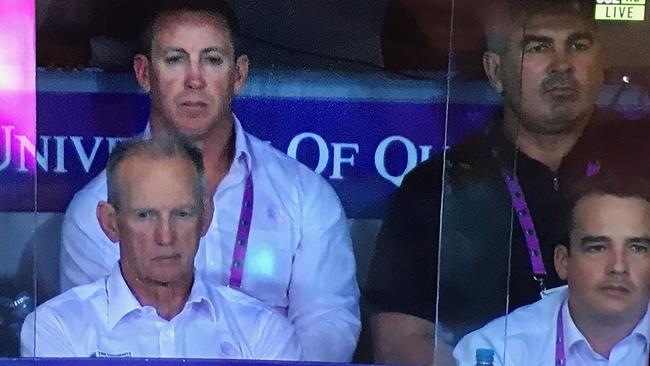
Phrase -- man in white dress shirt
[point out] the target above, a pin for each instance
(152, 304)
(294, 252)
(603, 317)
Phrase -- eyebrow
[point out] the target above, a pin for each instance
(639, 240)
(203, 51)
(529, 38)
(594, 239)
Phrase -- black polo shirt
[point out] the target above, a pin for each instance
(485, 269)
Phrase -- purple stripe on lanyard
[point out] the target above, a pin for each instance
(243, 232)
(525, 222)
(560, 356)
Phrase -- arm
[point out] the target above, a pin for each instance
(402, 278)
(323, 294)
(86, 253)
(402, 339)
(277, 339)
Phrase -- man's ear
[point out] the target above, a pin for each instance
(208, 212)
(561, 261)
(142, 68)
(492, 67)
(241, 72)
(107, 217)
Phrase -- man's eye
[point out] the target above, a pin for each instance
(145, 215)
(580, 46)
(171, 60)
(594, 248)
(640, 248)
(214, 60)
(183, 214)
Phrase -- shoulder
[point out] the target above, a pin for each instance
(287, 177)
(466, 158)
(72, 305)
(528, 332)
(85, 200)
(532, 320)
(277, 162)
(423, 177)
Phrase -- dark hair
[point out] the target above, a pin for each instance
(216, 8)
(505, 14)
(623, 185)
(156, 148)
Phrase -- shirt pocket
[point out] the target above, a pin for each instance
(268, 266)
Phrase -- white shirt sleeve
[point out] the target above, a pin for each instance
(276, 339)
(323, 292)
(86, 252)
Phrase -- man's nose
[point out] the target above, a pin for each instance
(618, 262)
(562, 61)
(164, 232)
(195, 78)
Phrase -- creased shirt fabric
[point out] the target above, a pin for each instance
(527, 337)
(299, 258)
(104, 319)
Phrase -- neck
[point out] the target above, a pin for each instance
(217, 146)
(548, 149)
(218, 153)
(168, 298)
(601, 331)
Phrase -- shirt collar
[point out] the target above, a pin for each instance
(242, 149)
(573, 336)
(121, 301)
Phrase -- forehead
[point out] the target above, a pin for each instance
(183, 29)
(561, 25)
(613, 216)
(156, 182)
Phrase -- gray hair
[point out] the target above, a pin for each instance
(155, 148)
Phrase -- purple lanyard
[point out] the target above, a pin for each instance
(525, 222)
(560, 356)
(243, 231)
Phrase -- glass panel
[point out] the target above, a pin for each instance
(18, 166)
(474, 237)
(556, 130)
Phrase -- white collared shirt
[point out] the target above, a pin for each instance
(299, 258)
(104, 319)
(531, 333)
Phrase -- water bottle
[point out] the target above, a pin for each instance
(484, 357)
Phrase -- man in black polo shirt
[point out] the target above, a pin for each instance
(544, 58)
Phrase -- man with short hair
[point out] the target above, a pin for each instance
(447, 254)
(281, 234)
(152, 303)
(603, 317)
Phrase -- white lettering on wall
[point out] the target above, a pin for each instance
(323, 150)
(7, 159)
(339, 159)
(86, 160)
